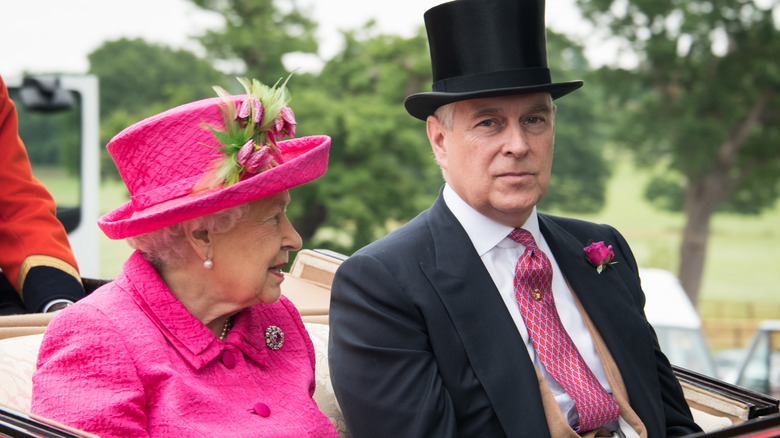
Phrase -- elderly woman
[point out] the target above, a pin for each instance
(193, 338)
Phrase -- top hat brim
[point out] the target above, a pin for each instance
(422, 105)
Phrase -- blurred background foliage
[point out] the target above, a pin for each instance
(698, 111)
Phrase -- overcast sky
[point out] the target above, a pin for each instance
(46, 36)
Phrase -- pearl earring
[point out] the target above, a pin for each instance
(208, 264)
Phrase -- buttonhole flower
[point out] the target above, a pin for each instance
(599, 255)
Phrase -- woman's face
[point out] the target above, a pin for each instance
(248, 259)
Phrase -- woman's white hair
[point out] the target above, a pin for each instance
(168, 246)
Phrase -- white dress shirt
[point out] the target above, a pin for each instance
(500, 254)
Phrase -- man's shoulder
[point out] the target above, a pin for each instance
(102, 317)
(404, 239)
(576, 227)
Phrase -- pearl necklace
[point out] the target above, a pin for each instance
(226, 328)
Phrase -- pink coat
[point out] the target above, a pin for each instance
(130, 361)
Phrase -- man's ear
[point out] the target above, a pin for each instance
(200, 241)
(436, 135)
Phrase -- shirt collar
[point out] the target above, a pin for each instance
(485, 233)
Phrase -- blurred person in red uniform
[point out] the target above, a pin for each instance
(39, 271)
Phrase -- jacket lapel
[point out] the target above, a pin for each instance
(605, 297)
(609, 302)
(493, 345)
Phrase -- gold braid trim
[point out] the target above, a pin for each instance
(44, 260)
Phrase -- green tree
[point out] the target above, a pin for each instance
(580, 170)
(381, 172)
(381, 169)
(138, 79)
(259, 34)
(50, 138)
(701, 108)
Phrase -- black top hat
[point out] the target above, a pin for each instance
(486, 48)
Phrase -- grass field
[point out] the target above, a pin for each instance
(743, 254)
(743, 260)
(113, 253)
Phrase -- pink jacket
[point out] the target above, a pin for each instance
(130, 361)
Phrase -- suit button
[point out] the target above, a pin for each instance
(262, 409)
(228, 359)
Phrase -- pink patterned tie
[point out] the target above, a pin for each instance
(557, 352)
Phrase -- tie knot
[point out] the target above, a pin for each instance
(523, 237)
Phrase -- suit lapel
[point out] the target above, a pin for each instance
(494, 347)
(594, 290)
(606, 299)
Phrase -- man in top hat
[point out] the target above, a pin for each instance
(483, 317)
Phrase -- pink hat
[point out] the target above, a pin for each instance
(209, 155)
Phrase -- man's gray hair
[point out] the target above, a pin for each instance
(446, 115)
(168, 246)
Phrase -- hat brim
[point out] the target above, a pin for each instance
(305, 159)
(422, 105)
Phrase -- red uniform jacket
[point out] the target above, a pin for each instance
(30, 234)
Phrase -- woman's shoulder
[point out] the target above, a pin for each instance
(103, 312)
(582, 230)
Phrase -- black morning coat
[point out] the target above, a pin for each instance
(422, 344)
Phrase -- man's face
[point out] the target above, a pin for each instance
(497, 155)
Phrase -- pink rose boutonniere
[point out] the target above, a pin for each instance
(599, 255)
